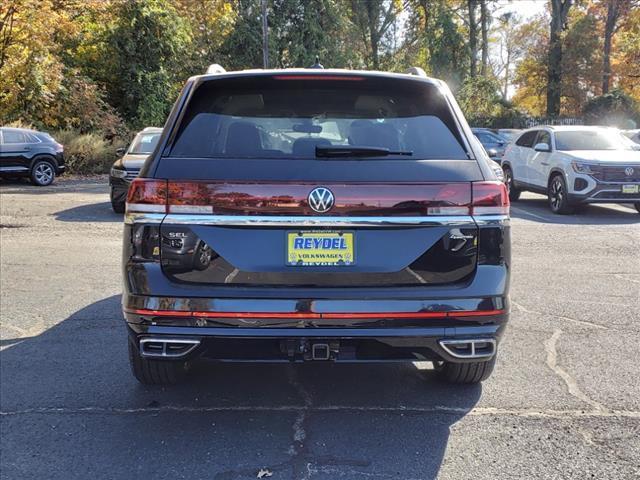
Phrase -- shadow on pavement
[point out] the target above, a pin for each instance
(71, 409)
(22, 186)
(536, 209)
(93, 212)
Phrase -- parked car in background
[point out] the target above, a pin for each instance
(510, 134)
(634, 135)
(343, 216)
(574, 165)
(29, 153)
(493, 143)
(127, 167)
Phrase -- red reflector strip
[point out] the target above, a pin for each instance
(318, 77)
(286, 315)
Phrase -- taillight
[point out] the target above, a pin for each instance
(489, 198)
(450, 199)
(147, 195)
(190, 197)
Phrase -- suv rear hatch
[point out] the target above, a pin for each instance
(317, 181)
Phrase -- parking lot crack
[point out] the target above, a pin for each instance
(522, 308)
(572, 384)
(298, 449)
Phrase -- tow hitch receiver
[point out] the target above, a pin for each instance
(320, 351)
(310, 350)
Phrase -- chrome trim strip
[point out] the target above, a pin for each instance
(13, 169)
(315, 221)
(499, 220)
(131, 218)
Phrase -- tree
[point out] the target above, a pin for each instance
(300, 30)
(511, 48)
(612, 109)
(484, 26)
(559, 14)
(615, 9)
(626, 57)
(143, 49)
(372, 19)
(210, 22)
(473, 38)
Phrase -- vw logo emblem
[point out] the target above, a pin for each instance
(628, 171)
(321, 199)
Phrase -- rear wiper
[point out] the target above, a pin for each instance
(357, 152)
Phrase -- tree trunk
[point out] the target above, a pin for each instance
(473, 38)
(609, 29)
(484, 24)
(559, 12)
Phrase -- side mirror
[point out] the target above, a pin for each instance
(542, 147)
(492, 152)
(120, 151)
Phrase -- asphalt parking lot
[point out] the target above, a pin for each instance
(564, 401)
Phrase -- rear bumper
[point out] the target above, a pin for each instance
(405, 336)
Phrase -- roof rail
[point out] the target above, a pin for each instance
(215, 68)
(416, 71)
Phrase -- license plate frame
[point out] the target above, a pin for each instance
(630, 189)
(327, 254)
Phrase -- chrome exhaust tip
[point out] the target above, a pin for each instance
(470, 348)
(167, 347)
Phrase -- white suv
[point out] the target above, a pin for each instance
(574, 165)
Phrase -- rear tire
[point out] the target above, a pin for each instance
(155, 372)
(514, 193)
(43, 173)
(558, 196)
(117, 207)
(466, 373)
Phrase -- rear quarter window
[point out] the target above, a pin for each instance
(267, 117)
(527, 139)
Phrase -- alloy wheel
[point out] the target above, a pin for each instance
(43, 173)
(557, 194)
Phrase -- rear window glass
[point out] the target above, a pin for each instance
(280, 118)
(144, 143)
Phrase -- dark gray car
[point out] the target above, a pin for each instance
(126, 168)
(493, 143)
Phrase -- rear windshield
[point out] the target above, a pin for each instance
(144, 143)
(591, 140)
(278, 117)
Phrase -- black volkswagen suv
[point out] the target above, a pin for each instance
(29, 153)
(316, 215)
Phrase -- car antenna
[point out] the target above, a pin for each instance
(317, 64)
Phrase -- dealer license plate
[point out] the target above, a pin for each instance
(315, 249)
(630, 188)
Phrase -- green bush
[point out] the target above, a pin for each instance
(615, 109)
(86, 153)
